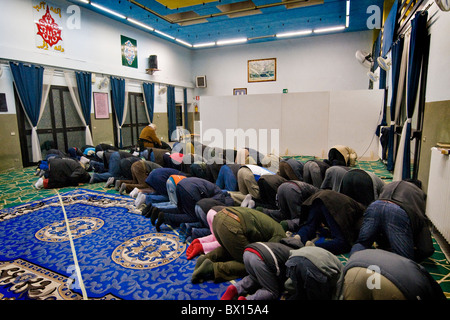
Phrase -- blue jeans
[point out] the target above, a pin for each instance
(155, 198)
(167, 207)
(390, 220)
(97, 166)
(201, 215)
(113, 169)
(317, 215)
(171, 190)
(226, 180)
(170, 204)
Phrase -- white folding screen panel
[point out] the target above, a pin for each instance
(259, 117)
(216, 115)
(309, 123)
(304, 123)
(354, 116)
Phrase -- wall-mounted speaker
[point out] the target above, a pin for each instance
(153, 62)
(200, 81)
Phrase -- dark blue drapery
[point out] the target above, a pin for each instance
(389, 29)
(29, 80)
(376, 51)
(418, 39)
(186, 114)
(149, 98)
(84, 84)
(397, 51)
(171, 114)
(118, 99)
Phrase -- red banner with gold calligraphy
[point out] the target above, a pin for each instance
(48, 21)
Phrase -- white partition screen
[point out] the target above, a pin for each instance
(303, 123)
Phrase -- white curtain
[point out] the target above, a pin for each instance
(398, 168)
(125, 110)
(35, 144)
(73, 89)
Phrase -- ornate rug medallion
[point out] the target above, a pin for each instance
(79, 227)
(148, 251)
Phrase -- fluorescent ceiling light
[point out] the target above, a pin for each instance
(140, 24)
(183, 42)
(231, 41)
(331, 29)
(206, 44)
(294, 33)
(107, 10)
(347, 18)
(85, 1)
(164, 34)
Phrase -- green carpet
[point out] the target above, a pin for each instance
(377, 167)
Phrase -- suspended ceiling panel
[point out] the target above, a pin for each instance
(197, 22)
(174, 4)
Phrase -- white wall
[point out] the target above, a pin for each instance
(308, 123)
(318, 63)
(439, 62)
(94, 47)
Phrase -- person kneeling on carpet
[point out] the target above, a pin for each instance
(400, 206)
(157, 190)
(207, 243)
(313, 273)
(188, 192)
(265, 265)
(63, 172)
(234, 229)
(391, 277)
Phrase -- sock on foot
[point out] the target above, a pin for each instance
(230, 293)
(246, 200)
(204, 272)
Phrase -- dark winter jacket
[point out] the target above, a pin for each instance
(65, 172)
(192, 189)
(345, 211)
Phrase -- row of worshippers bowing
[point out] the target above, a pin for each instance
(278, 231)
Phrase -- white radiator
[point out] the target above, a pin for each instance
(438, 194)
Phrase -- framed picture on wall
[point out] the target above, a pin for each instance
(261, 70)
(239, 91)
(129, 52)
(101, 105)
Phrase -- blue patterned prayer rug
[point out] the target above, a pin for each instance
(119, 253)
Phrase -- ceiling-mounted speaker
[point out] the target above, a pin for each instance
(200, 81)
(153, 62)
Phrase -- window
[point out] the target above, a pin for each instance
(179, 114)
(135, 121)
(60, 126)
